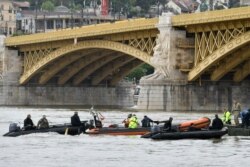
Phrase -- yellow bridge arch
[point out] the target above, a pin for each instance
(89, 44)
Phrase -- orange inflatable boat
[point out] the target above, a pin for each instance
(199, 123)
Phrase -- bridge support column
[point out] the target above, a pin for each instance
(172, 54)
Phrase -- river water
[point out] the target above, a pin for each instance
(54, 150)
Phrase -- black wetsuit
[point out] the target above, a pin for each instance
(217, 124)
(28, 124)
(75, 120)
(146, 122)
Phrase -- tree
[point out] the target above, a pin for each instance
(48, 5)
(139, 72)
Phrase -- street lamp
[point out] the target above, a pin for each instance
(36, 17)
(158, 8)
(71, 13)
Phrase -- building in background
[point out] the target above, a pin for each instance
(7, 17)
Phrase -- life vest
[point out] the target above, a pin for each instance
(227, 117)
(133, 122)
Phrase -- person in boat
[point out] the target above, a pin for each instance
(126, 121)
(146, 121)
(226, 117)
(98, 123)
(75, 121)
(28, 123)
(133, 122)
(168, 124)
(236, 111)
(43, 123)
(245, 117)
(217, 123)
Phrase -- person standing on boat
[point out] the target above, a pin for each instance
(133, 122)
(28, 123)
(217, 123)
(43, 123)
(236, 111)
(126, 121)
(146, 121)
(226, 117)
(75, 120)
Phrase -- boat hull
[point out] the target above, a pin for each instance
(119, 131)
(61, 130)
(238, 131)
(203, 134)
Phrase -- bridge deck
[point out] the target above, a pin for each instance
(211, 16)
(85, 31)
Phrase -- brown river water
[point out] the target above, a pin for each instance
(54, 150)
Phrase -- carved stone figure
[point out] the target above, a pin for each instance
(160, 59)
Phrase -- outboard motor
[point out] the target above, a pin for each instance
(14, 127)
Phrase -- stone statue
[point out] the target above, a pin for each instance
(160, 59)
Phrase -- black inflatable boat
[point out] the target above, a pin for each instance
(201, 134)
(61, 129)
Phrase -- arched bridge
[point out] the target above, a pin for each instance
(108, 52)
(90, 54)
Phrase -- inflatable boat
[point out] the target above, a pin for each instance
(238, 131)
(201, 134)
(61, 129)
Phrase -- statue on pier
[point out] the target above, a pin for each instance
(160, 59)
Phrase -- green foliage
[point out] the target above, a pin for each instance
(48, 5)
(139, 72)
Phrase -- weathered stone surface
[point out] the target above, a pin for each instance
(192, 97)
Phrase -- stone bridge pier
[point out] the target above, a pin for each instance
(168, 89)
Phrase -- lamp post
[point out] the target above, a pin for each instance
(83, 6)
(36, 17)
(158, 8)
(1, 22)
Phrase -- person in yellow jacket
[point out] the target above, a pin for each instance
(226, 117)
(133, 122)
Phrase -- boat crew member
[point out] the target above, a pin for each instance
(236, 111)
(43, 123)
(168, 124)
(75, 121)
(226, 117)
(146, 121)
(28, 123)
(217, 123)
(126, 121)
(245, 116)
(133, 122)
